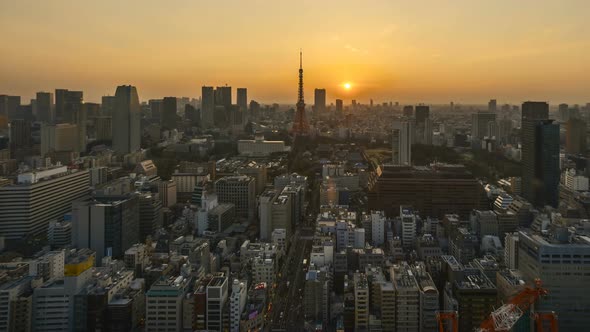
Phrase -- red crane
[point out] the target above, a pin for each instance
(503, 318)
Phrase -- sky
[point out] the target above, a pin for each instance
(408, 51)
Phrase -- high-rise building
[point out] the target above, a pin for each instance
(480, 123)
(9, 106)
(67, 105)
(107, 106)
(242, 99)
(377, 228)
(37, 198)
(407, 298)
(223, 97)
(408, 226)
(403, 132)
(237, 302)
(361, 302)
(217, 294)
(108, 226)
(168, 115)
(575, 142)
(532, 113)
(492, 106)
(422, 113)
(241, 191)
(61, 137)
(339, 106)
(319, 101)
(103, 127)
(560, 260)
(20, 134)
(408, 111)
(126, 118)
(207, 106)
(150, 215)
(45, 107)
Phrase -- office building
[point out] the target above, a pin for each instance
(207, 106)
(239, 190)
(9, 106)
(532, 113)
(150, 215)
(422, 113)
(221, 217)
(55, 302)
(377, 228)
(408, 111)
(480, 123)
(217, 294)
(575, 141)
(108, 226)
(319, 101)
(492, 106)
(339, 106)
(476, 296)
(408, 226)
(361, 302)
(168, 113)
(403, 132)
(433, 190)
(59, 138)
(237, 301)
(407, 299)
(167, 193)
(27, 207)
(107, 105)
(164, 304)
(16, 305)
(316, 296)
(103, 128)
(45, 107)
(59, 234)
(561, 259)
(242, 99)
(20, 134)
(126, 118)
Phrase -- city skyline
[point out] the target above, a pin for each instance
(389, 51)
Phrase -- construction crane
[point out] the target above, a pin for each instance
(504, 318)
(447, 316)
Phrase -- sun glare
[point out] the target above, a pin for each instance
(347, 86)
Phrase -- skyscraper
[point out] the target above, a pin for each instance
(242, 99)
(67, 104)
(537, 131)
(319, 101)
(403, 131)
(20, 134)
(168, 115)
(479, 124)
(575, 142)
(126, 117)
(339, 106)
(422, 113)
(223, 96)
(207, 106)
(492, 105)
(9, 106)
(45, 107)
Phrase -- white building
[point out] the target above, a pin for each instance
(378, 228)
(237, 302)
(49, 266)
(258, 147)
(263, 270)
(511, 250)
(408, 222)
(403, 131)
(574, 181)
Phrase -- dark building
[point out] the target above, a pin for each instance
(242, 99)
(126, 120)
(9, 106)
(20, 134)
(422, 113)
(107, 107)
(156, 108)
(67, 104)
(168, 115)
(575, 142)
(432, 191)
(339, 106)
(150, 215)
(223, 96)
(408, 111)
(45, 107)
(540, 154)
(319, 101)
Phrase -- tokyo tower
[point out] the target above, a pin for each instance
(300, 125)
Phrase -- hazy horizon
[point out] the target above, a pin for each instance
(467, 52)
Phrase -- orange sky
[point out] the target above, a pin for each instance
(421, 51)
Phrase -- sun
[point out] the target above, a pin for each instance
(347, 86)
